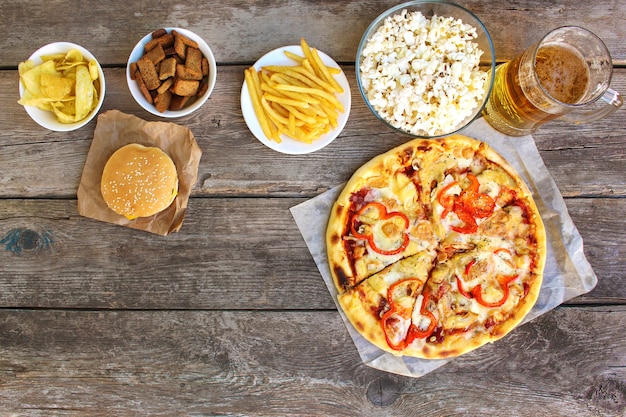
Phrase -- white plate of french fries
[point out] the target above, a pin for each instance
(300, 102)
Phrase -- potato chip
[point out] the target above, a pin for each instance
(65, 84)
(60, 112)
(73, 55)
(25, 66)
(84, 93)
(93, 70)
(31, 79)
(56, 88)
(42, 103)
(52, 57)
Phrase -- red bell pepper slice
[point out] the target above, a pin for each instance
(504, 281)
(446, 200)
(469, 266)
(383, 215)
(481, 206)
(466, 294)
(397, 312)
(468, 206)
(469, 223)
(477, 291)
(386, 322)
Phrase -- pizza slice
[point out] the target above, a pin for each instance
(377, 220)
(388, 307)
(477, 297)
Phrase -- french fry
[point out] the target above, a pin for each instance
(312, 75)
(313, 91)
(292, 124)
(320, 69)
(308, 54)
(325, 72)
(300, 115)
(252, 81)
(286, 94)
(294, 57)
(274, 114)
(298, 101)
(283, 100)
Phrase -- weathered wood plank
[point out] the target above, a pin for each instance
(161, 363)
(237, 30)
(235, 163)
(230, 254)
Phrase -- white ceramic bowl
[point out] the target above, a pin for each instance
(428, 9)
(138, 52)
(47, 119)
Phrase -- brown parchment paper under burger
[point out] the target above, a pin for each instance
(115, 129)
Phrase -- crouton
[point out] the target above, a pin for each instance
(205, 66)
(133, 70)
(162, 101)
(179, 47)
(148, 73)
(156, 54)
(172, 72)
(185, 87)
(185, 73)
(158, 33)
(142, 87)
(202, 89)
(193, 60)
(185, 40)
(178, 102)
(165, 85)
(167, 69)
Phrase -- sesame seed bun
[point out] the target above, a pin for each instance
(139, 181)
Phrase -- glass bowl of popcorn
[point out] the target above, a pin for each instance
(425, 68)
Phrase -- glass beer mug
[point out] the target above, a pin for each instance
(565, 75)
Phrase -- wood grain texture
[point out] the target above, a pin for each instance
(162, 363)
(242, 31)
(230, 316)
(230, 254)
(586, 160)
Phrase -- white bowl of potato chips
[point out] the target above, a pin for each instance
(171, 72)
(61, 86)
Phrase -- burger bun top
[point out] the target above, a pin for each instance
(139, 181)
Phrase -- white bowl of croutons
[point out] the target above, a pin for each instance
(171, 72)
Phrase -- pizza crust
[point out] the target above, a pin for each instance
(431, 164)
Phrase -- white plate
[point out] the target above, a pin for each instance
(289, 145)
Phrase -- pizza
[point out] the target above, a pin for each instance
(436, 248)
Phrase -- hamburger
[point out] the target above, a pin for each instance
(139, 181)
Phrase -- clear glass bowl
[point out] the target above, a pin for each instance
(429, 9)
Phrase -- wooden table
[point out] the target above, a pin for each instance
(230, 316)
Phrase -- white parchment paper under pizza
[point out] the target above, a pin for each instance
(567, 272)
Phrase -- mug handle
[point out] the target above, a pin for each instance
(612, 101)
